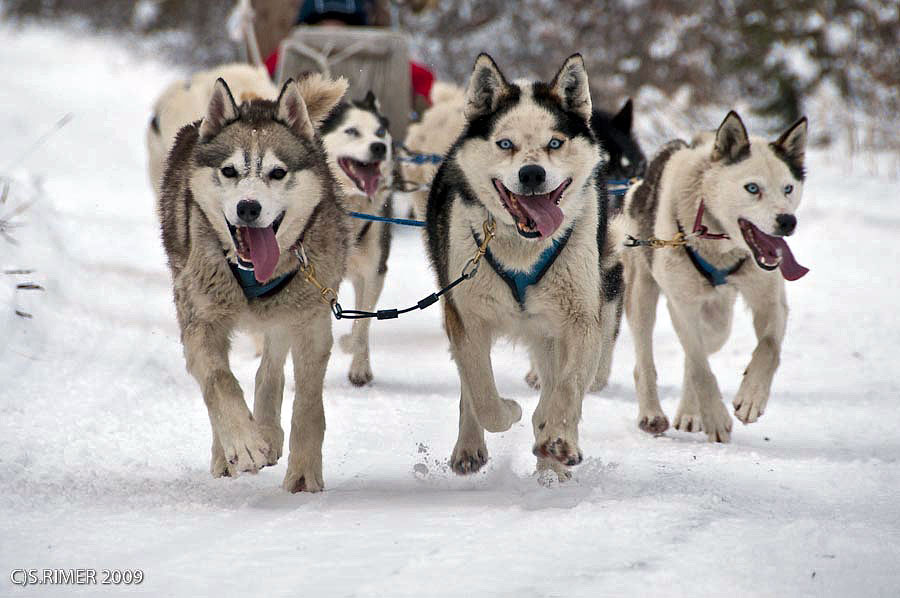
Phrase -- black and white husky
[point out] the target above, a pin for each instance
(734, 197)
(360, 152)
(528, 164)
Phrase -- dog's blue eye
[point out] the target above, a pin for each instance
(352, 131)
(752, 188)
(229, 172)
(788, 189)
(555, 143)
(381, 132)
(505, 144)
(277, 173)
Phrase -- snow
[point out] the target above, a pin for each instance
(104, 439)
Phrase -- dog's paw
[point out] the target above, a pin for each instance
(532, 379)
(551, 472)
(717, 422)
(499, 415)
(687, 417)
(244, 449)
(360, 373)
(555, 442)
(749, 406)
(688, 422)
(468, 458)
(274, 437)
(653, 423)
(218, 466)
(302, 478)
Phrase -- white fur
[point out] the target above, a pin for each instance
(701, 313)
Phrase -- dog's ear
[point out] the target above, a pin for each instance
(623, 120)
(791, 146)
(371, 102)
(732, 143)
(321, 95)
(302, 106)
(571, 86)
(291, 110)
(486, 86)
(220, 112)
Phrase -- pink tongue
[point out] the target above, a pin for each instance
(790, 269)
(370, 180)
(543, 210)
(264, 252)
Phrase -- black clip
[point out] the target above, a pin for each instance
(632, 242)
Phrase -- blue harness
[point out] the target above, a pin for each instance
(517, 281)
(256, 290)
(715, 276)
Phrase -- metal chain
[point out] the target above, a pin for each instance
(679, 240)
(328, 295)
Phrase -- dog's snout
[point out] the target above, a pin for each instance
(786, 224)
(532, 176)
(248, 210)
(379, 150)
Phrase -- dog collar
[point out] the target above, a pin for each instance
(518, 281)
(256, 290)
(715, 276)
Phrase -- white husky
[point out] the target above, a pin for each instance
(734, 198)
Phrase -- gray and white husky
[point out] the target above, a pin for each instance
(360, 152)
(527, 163)
(243, 188)
(735, 198)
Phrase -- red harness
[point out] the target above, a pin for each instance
(701, 231)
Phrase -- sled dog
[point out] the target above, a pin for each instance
(246, 191)
(360, 152)
(527, 167)
(735, 198)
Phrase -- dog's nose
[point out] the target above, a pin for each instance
(786, 224)
(532, 176)
(248, 210)
(379, 150)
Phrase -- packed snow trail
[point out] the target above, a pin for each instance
(104, 438)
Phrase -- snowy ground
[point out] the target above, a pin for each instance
(104, 439)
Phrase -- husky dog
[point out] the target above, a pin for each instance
(244, 189)
(360, 152)
(526, 163)
(746, 191)
(614, 132)
(183, 102)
